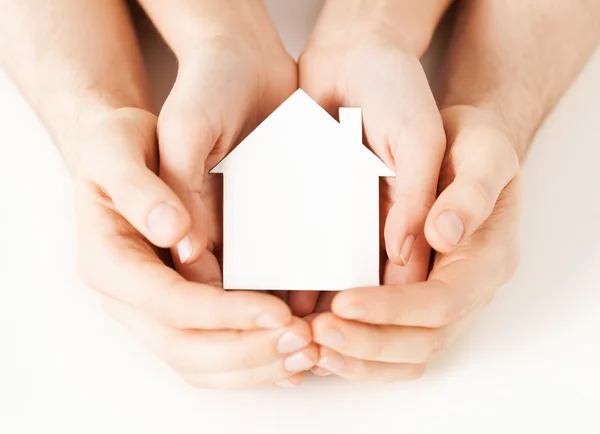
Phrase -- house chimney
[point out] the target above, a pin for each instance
(351, 122)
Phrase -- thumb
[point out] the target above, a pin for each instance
(484, 162)
(117, 160)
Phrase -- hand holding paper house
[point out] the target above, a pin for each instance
(301, 203)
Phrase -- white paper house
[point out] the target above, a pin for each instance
(301, 203)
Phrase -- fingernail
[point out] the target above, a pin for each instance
(450, 227)
(184, 249)
(298, 362)
(352, 312)
(407, 249)
(330, 338)
(290, 342)
(332, 363)
(285, 383)
(320, 372)
(163, 221)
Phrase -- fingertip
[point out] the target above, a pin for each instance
(444, 229)
(321, 322)
(191, 247)
(303, 303)
(167, 224)
(345, 305)
(275, 314)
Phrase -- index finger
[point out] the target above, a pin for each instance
(125, 267)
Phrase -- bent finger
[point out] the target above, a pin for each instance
(201, 351)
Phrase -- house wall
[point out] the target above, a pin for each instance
(299, 229)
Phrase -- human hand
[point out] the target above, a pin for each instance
(212, 337)
(353, 62)
(390, 332)
(225, 87)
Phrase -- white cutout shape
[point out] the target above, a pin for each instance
(301, 203)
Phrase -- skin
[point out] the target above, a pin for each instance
(508, 64)
(495, 96)
(105, 128)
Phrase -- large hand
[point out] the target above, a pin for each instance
(348, 63)
(213, 338)
(390, 332)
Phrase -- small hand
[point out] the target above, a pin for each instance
(225, 87)
(390, 332)
(372, 70)
(213, 338)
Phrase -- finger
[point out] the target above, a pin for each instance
(363, 370)
(458, 284)
(186, 139)
(266, 375)
(200, 351)
(324, 302)
(382, 343)
(192, 138)
(416, 142)
(484, 162)
(116, 160)
(293, 381)
(303, 303)
(282, 295)
(320, 372)
(125, 268)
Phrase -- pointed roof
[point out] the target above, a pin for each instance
(299, 127)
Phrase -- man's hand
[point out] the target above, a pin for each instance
(390, 332)
(213, 338)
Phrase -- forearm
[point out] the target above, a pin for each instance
(73, 61)
(515, 58)
(407, 24)
(185, 24)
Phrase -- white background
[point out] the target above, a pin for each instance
(529, 363)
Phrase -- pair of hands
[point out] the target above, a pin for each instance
(225, 87)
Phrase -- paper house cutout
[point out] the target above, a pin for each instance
(301, 203)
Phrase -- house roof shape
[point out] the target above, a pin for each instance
(299, 129)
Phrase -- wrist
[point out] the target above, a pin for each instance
(405, 24)
(186, 25)
(70, 118)
(485, 116)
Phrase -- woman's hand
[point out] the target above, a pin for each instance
(354, 60)
(390, 332)
(213, 338)
(228, 82)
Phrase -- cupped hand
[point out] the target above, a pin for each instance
(390, 332)
(349, 63)
(213, 338)
(226, 86)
